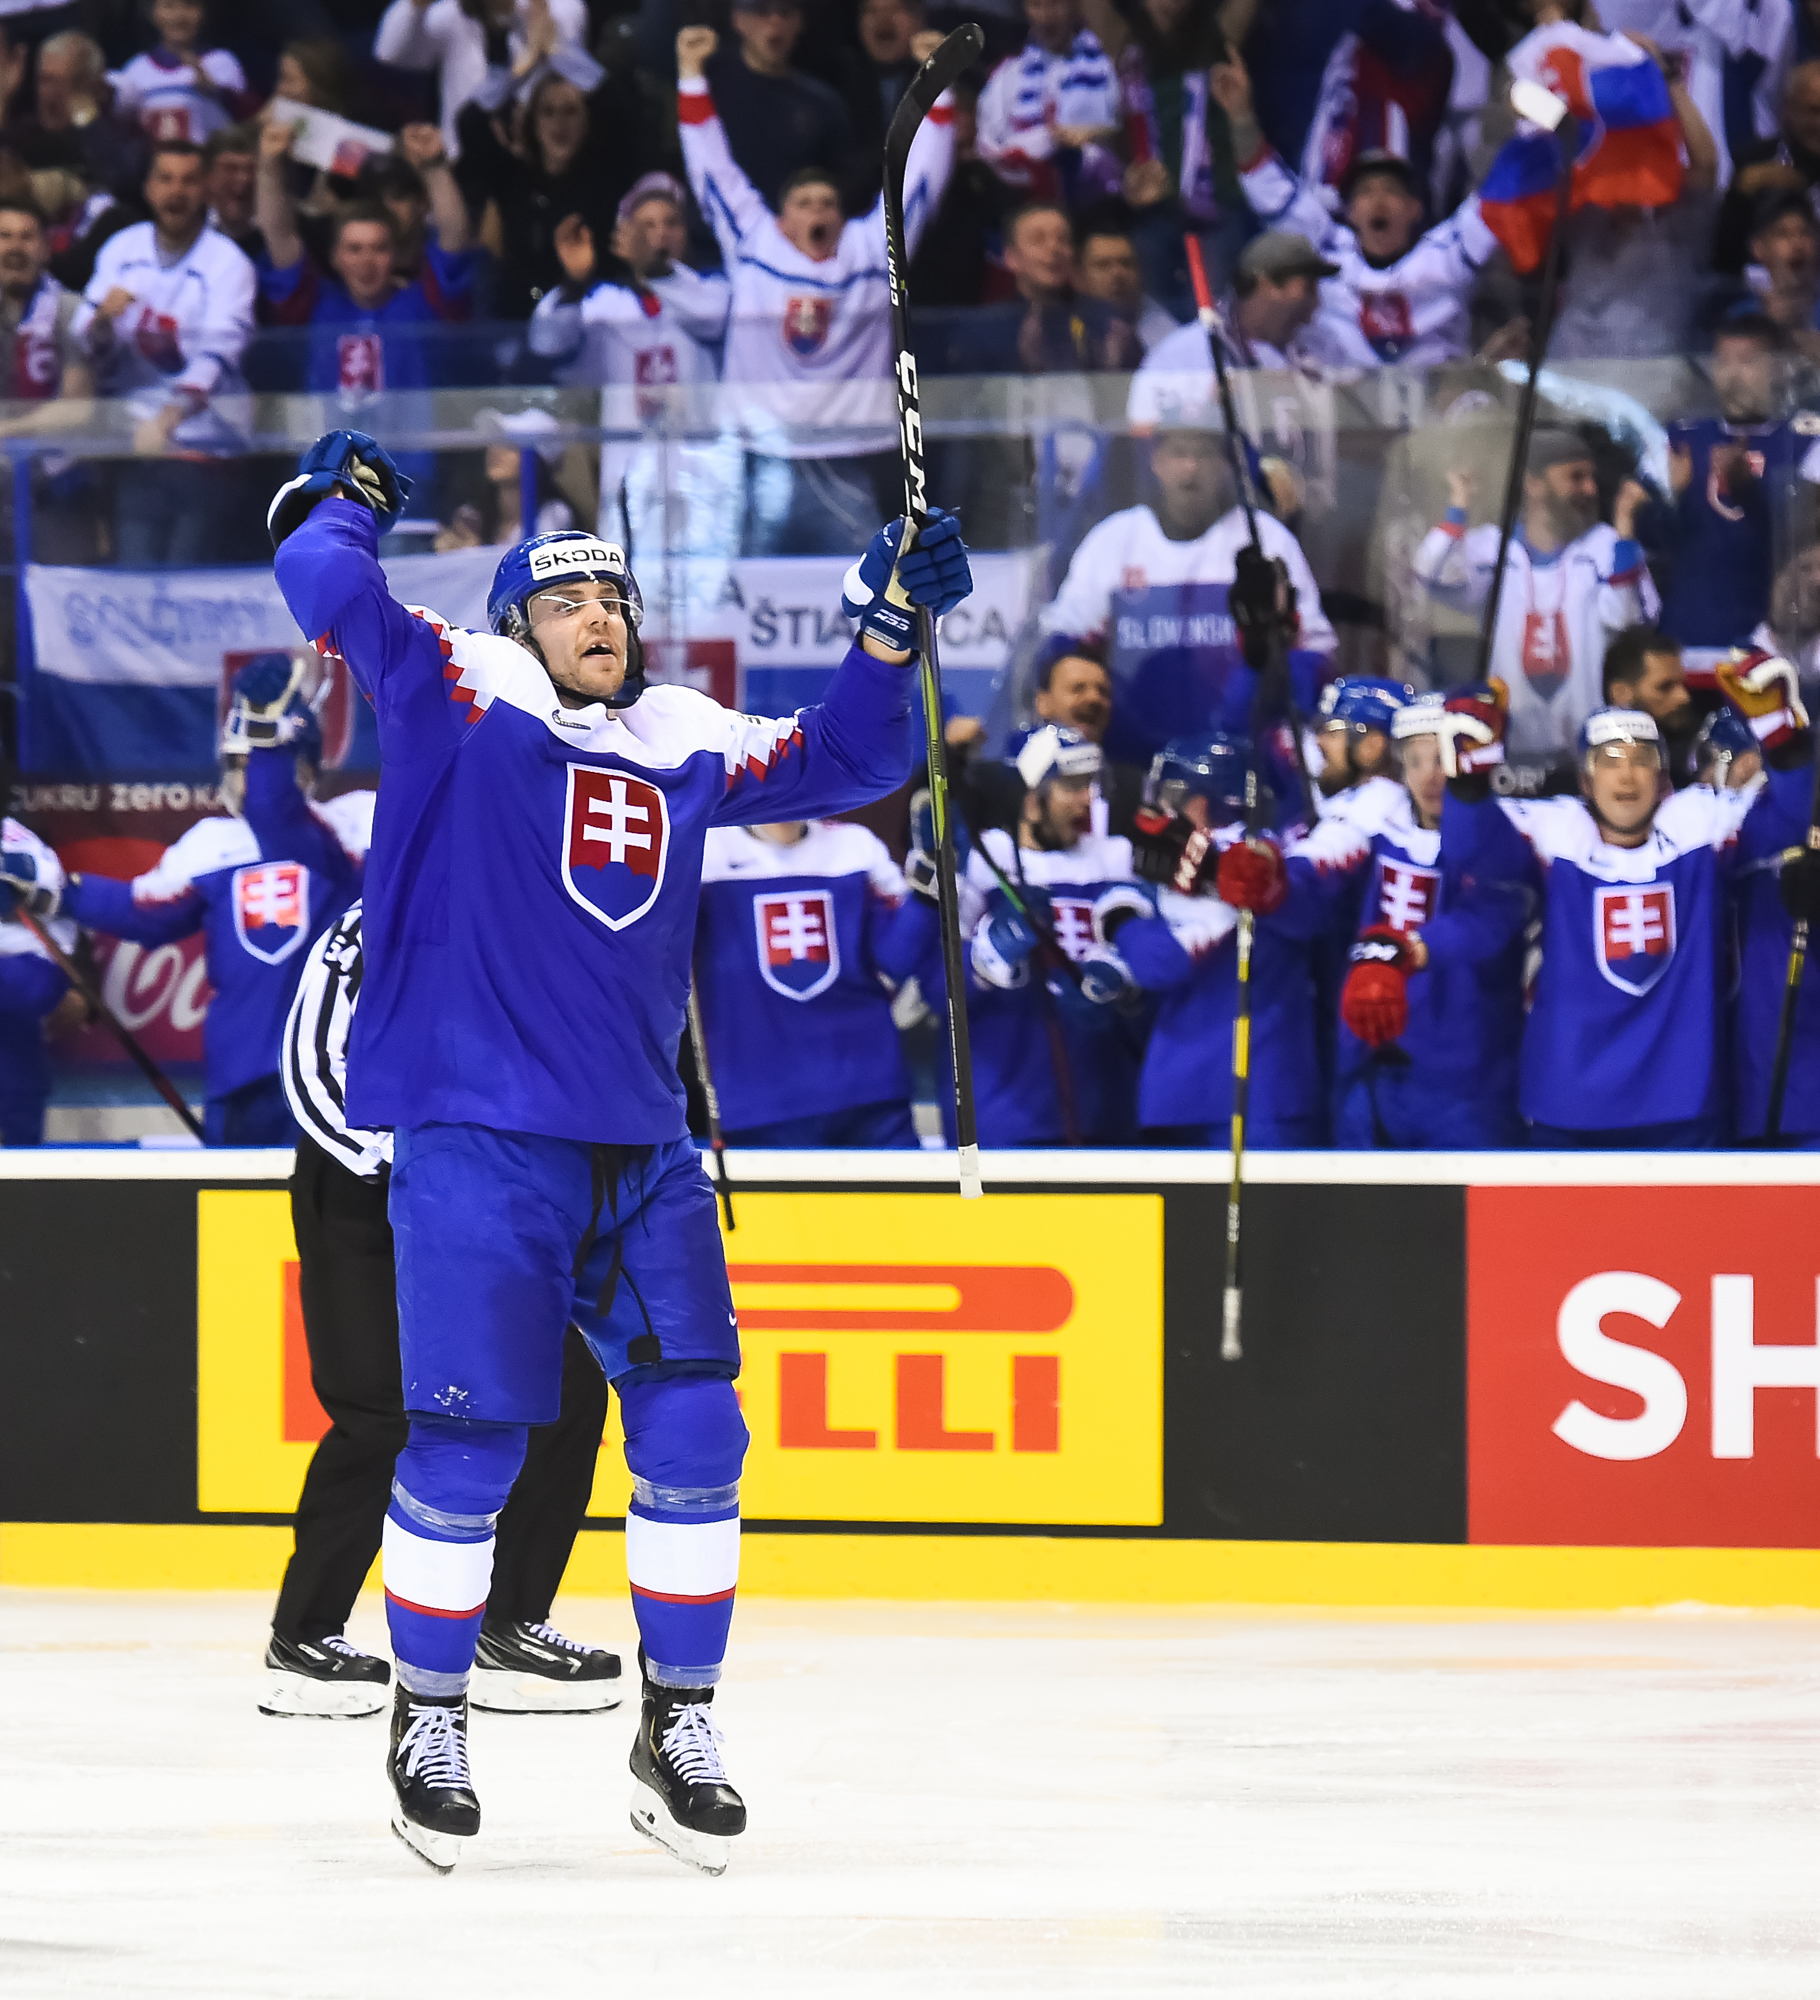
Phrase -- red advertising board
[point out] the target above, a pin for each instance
(1643, 1366)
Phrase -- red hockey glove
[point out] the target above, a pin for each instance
(1766, 691)
(1158, 837)
(1374, 1002)
(1251, 876)
(1472, 729)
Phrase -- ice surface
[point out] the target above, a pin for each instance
(949, 1800)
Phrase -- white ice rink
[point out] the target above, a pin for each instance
(949, 1800)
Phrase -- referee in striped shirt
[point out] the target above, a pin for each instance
(350, 1317)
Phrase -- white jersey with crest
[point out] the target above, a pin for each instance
(808, 357)
(1414, 310)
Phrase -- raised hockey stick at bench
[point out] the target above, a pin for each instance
(961, 48)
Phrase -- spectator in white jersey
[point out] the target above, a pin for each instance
(1399, 295)
(171, 310)
(180, 90)
(1570, 582)
(642, 326)
(1275, 293)
(808, 356)
(1049, 114)
(466, 41)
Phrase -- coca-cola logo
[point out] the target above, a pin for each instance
(168, 982)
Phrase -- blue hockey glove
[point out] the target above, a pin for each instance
(350, 460)
(883, 593)
(24, 885)
(919, 863)
(936, 572)
(1102, 984)
(1003, 944)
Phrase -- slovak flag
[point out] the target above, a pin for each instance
(1630, 138)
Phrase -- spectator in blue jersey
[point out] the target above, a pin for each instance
(1055, 1036)
(1179, 941)
(259, 882)
(802, 930)
(1622, 1046)
(1644, 669)
(1738, 480)
(372, 331)
(32, 987)
(1431, 1013)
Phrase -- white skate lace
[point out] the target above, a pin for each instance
(691, 1746)
(337, 1644)
(435, 1749)
(551, 1637)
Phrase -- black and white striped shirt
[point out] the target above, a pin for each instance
(316, 1050)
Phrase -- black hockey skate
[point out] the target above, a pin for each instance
(428, 1766)
(680, 1795)
(533, 1669)
(323, 1676)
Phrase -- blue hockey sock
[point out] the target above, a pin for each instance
(685, 1444)
(452, 1480)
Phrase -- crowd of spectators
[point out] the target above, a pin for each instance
(678, 205)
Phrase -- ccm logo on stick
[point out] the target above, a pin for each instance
(1673, 1405)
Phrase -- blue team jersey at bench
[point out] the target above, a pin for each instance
(532, 888)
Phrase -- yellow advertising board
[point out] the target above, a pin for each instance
(908, 1357)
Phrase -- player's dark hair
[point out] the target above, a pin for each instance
(1625, 656)
(1753, 326)
(23, 205)
(1014, 221)
(363, 211)
(1046, 672)
(242, 138)
(808, 177)
(183, 149)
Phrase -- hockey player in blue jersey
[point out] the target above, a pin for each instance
(1353, 731)
(1431, 1013)
(1055, 1052)
(32, 986)
(800, 926)
(260, 882)
(530, 910)
(1622, 1047)
(1192, 845)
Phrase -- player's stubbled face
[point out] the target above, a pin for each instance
(1067, 809)
(581, 630)
(1623, 783)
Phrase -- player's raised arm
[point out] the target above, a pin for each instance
(855, 745)
(733, 206)
(325, 524)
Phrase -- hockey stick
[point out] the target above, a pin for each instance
(1236, 444)
(960, 49)
(1233, 1302)
(717, 1142)
(1541, 107)
(1791, 993)
(99, 1008)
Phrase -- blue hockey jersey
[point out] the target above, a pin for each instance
(792, 946)
(531, 895)
(1764, 934)
(1039, 1075)
(260, 888)
(1188, 956)
(1625, 1027)
(30, 986)
(1466, 1005)
(1720, 539)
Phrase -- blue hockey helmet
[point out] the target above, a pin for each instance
(269, 711)
(1362, 701)
(568, 556)
(1057, 751)
(1210, 767)
(1724, 737)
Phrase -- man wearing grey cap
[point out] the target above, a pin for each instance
(1570, 582)
(1275, 293)
(1399, 295)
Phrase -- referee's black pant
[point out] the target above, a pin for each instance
(350, 1319)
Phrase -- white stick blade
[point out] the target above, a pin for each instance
(972, 1186)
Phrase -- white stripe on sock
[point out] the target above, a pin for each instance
(682, 1558)
(440, 1576)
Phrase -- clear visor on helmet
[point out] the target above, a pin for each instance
(1625, 753)
(567, 599)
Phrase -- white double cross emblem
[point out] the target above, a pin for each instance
(621, 817)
